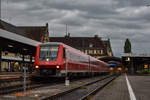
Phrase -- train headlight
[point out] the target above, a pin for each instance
(119, 69)
(47, 59)
(37, 67)
(57, 67)
(111, 68)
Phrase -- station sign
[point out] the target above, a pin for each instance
(113, 65)
(146, 66)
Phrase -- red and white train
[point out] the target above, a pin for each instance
(58, 59)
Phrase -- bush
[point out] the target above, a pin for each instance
(145, 72)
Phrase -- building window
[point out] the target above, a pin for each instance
(90, 45)
(98, 52)
(101, 51)
(90, 51)
(86, 51)
(95, 51)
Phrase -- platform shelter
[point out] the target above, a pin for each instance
(20, 48)
(136, 63)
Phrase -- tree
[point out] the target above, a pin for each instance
(127, 47)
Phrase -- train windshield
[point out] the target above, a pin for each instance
(48, 53)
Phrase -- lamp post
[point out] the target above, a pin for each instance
(67, 76)
(0, 7)
(132, 66)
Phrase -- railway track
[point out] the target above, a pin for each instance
(80, 89)
(83, 92)
(13, 85)
(8, 86)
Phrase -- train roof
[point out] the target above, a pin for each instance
(51, 43)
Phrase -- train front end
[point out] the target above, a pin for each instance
(48, 59)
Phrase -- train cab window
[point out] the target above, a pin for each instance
(64, 53)
(48, 53)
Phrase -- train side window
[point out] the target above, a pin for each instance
(64, 53)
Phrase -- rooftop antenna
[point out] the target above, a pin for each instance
(0, 8)
(66, 30)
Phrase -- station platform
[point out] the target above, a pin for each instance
(126, 87)
(11, 75)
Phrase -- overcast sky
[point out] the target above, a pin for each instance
(116, 19)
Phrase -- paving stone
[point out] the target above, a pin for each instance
(140, 86)
(116, 90)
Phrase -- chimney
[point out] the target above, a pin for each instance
(96, 36)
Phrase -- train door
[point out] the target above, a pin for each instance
(89, 64)
(64, 54)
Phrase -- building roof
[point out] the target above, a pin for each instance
(18, 38)
(94, 46)
(34, 32)
(79, 42)
(106, 43)
(11, 28)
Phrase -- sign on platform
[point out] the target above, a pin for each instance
(146, 66)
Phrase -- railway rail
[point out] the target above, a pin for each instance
(78, 90)
(96, 90)
(83, 92)
(10, 85)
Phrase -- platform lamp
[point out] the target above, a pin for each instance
(128, 59)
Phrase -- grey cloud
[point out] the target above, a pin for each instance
(126, 25)
(85, 18)
(84, 6)
(125, 3)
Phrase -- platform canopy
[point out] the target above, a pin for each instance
(18, 38)
(135, 55)
(15, 43)
(110, 58)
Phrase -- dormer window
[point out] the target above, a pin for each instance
(90, 45)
